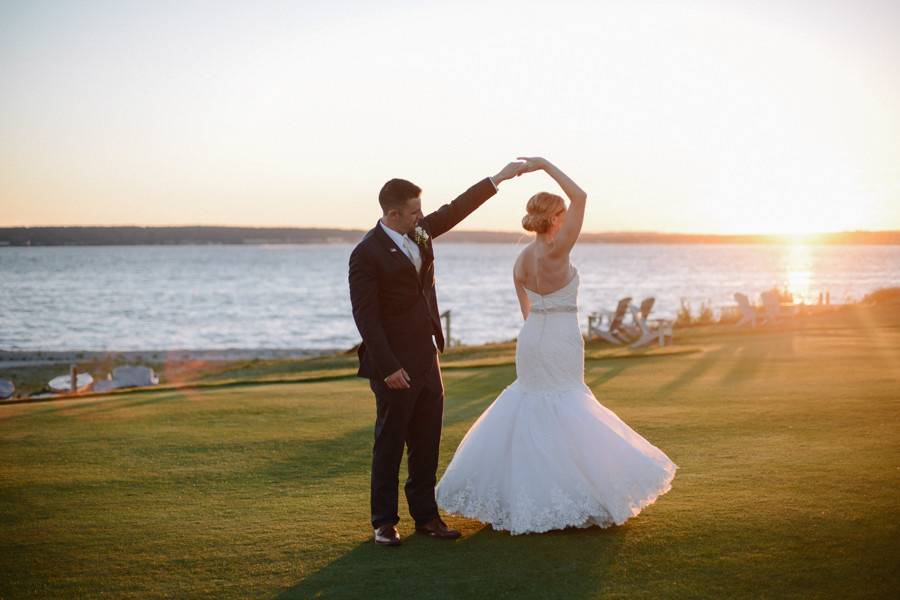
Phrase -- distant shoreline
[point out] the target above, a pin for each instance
(211, 235)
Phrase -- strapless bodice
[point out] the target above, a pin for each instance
(550, 349)
(565, 299)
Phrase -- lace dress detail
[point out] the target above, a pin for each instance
(546, 454)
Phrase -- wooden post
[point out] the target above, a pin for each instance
(449, 336)
(73, 378)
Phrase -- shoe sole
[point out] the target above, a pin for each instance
(387, 543)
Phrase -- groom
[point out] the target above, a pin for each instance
(395, 309)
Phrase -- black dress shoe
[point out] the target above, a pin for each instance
(437, 528)
(387, 535)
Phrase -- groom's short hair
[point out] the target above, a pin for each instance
(396, 193)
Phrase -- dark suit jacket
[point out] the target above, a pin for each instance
(395, 310)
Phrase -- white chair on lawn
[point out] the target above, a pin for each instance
(650, 329)
(774, 310)
(639, 316)
(748, 312)
(614, 332)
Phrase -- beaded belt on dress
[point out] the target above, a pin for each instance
(554, 309)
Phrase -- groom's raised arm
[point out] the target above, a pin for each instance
(446, 217)
(364, 300)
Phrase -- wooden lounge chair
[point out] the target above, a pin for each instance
(650, 329)
(614, 332)
(662, 329)
(639, 316)
(775, 309)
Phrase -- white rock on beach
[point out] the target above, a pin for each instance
(129, 376)
(63, 383)
(7, 388)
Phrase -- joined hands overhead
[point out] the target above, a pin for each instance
(532, 163)
(513, 169)
(524, 164)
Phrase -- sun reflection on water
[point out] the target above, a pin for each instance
(799, 272)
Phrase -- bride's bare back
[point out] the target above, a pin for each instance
(541, 270)
(543, 265)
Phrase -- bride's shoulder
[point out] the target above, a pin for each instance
(526, 251)
(519, 267)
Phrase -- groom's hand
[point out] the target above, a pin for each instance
(398, 380)
(508, 172)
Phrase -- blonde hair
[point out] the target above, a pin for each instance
(541, 208)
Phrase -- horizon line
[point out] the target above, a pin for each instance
(455, 230)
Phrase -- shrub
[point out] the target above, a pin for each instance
(889, 295)
(705, 317)
(729, 314)
(684, 314)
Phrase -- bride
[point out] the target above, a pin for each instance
(546, 454)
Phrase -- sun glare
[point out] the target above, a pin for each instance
(799, 273)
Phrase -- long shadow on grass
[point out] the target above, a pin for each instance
(746, 360)
(468, 408)
(757, 355)
(701, 365)
(320, 460)
(124, 403)
(573, 563)
(609, 372)
(91, 407)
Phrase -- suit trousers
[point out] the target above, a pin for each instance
(411, 418)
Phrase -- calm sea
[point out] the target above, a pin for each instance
(217, 297)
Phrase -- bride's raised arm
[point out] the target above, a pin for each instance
(571, 227)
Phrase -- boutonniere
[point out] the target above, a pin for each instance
(421, 236)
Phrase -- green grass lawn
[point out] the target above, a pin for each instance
(787, 441)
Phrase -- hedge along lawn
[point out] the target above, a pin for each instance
(787, 441)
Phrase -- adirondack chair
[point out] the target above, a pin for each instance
(650, 329)
(774, 309)
(662, 329)
(748, 312)
(614, 332)
(639, 316)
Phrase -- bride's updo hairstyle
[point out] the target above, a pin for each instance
(541, 207)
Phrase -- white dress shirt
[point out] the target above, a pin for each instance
(406, 246)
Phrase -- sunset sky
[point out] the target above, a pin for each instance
(706, 116)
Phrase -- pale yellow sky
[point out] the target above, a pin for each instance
(769, 117)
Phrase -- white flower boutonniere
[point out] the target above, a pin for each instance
(421, 235)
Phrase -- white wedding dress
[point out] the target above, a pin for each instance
(546, 454)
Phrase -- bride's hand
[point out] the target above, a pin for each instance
(532, 163)
(511, 170)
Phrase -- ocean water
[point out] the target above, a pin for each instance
(220, 297)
